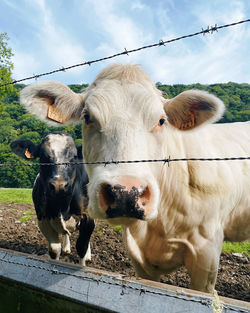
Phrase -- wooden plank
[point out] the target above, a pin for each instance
(101, 290)
(18, 297)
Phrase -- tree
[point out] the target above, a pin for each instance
(6, 66)
(17, 176)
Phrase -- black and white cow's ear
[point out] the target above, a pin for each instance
(25, 148)
(192, 108)
(52, 102)
(79, 152)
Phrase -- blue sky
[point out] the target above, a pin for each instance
(49, 34)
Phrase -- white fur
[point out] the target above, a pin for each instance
(52, 229)
(39, 104)
(179, 105)
(51, 235)
(56, 248)
(56, 142)
(66, 244)
(87, 257)
(197, 204)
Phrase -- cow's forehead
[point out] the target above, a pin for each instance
(59, 145)
(132, 100)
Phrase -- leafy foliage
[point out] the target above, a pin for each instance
(15, 123)
(236, 97)
(6, 65)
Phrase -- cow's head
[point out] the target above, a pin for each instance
(57, 180)
(124, 118)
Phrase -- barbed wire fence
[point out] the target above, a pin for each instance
(209, 29)
(105, 163)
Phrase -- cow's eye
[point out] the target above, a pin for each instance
(86, 118)
(158, 126)
(161, 121)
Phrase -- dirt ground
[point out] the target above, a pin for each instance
(19, 232)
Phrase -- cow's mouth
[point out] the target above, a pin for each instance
(135, 212)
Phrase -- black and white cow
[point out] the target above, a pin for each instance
(59, 192)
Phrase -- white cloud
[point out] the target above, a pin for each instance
(118, 29)
(51, 46)
(137, 5)
(216, 60)
(223, 12)
(60, 48)
(25, 65)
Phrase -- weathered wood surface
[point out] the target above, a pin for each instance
(91, 290)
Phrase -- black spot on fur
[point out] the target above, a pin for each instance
(86, 228)
(52, 255)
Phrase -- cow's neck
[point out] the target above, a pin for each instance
(159, 244)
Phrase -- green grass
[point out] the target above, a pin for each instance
(117, 229)
(25, 218)
(236, 247)
(29, 212)
(16, 195)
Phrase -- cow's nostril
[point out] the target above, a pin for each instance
(144, 195)
(65, 186)
(107, 195)
(142, 190)
(52, 186)
(58, 185)
(119, 187)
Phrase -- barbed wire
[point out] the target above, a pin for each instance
(165, 161)
(209, 29)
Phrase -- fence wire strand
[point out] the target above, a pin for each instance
(209, 29)
(105, 163)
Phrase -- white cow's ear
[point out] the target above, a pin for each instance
(192, 108)
(52, 102)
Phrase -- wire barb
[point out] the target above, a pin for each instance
(210, 30)
(160, 43)
(35, 76)
(126, 51)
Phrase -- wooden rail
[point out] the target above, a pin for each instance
(29, 284)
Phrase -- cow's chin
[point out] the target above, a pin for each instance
(126, 221)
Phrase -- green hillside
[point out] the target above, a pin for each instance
(16, 123)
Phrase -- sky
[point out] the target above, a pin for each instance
(50, 34)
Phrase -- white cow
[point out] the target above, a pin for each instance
(171, 215)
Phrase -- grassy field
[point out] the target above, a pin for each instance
(21, 195)
(16, 195)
